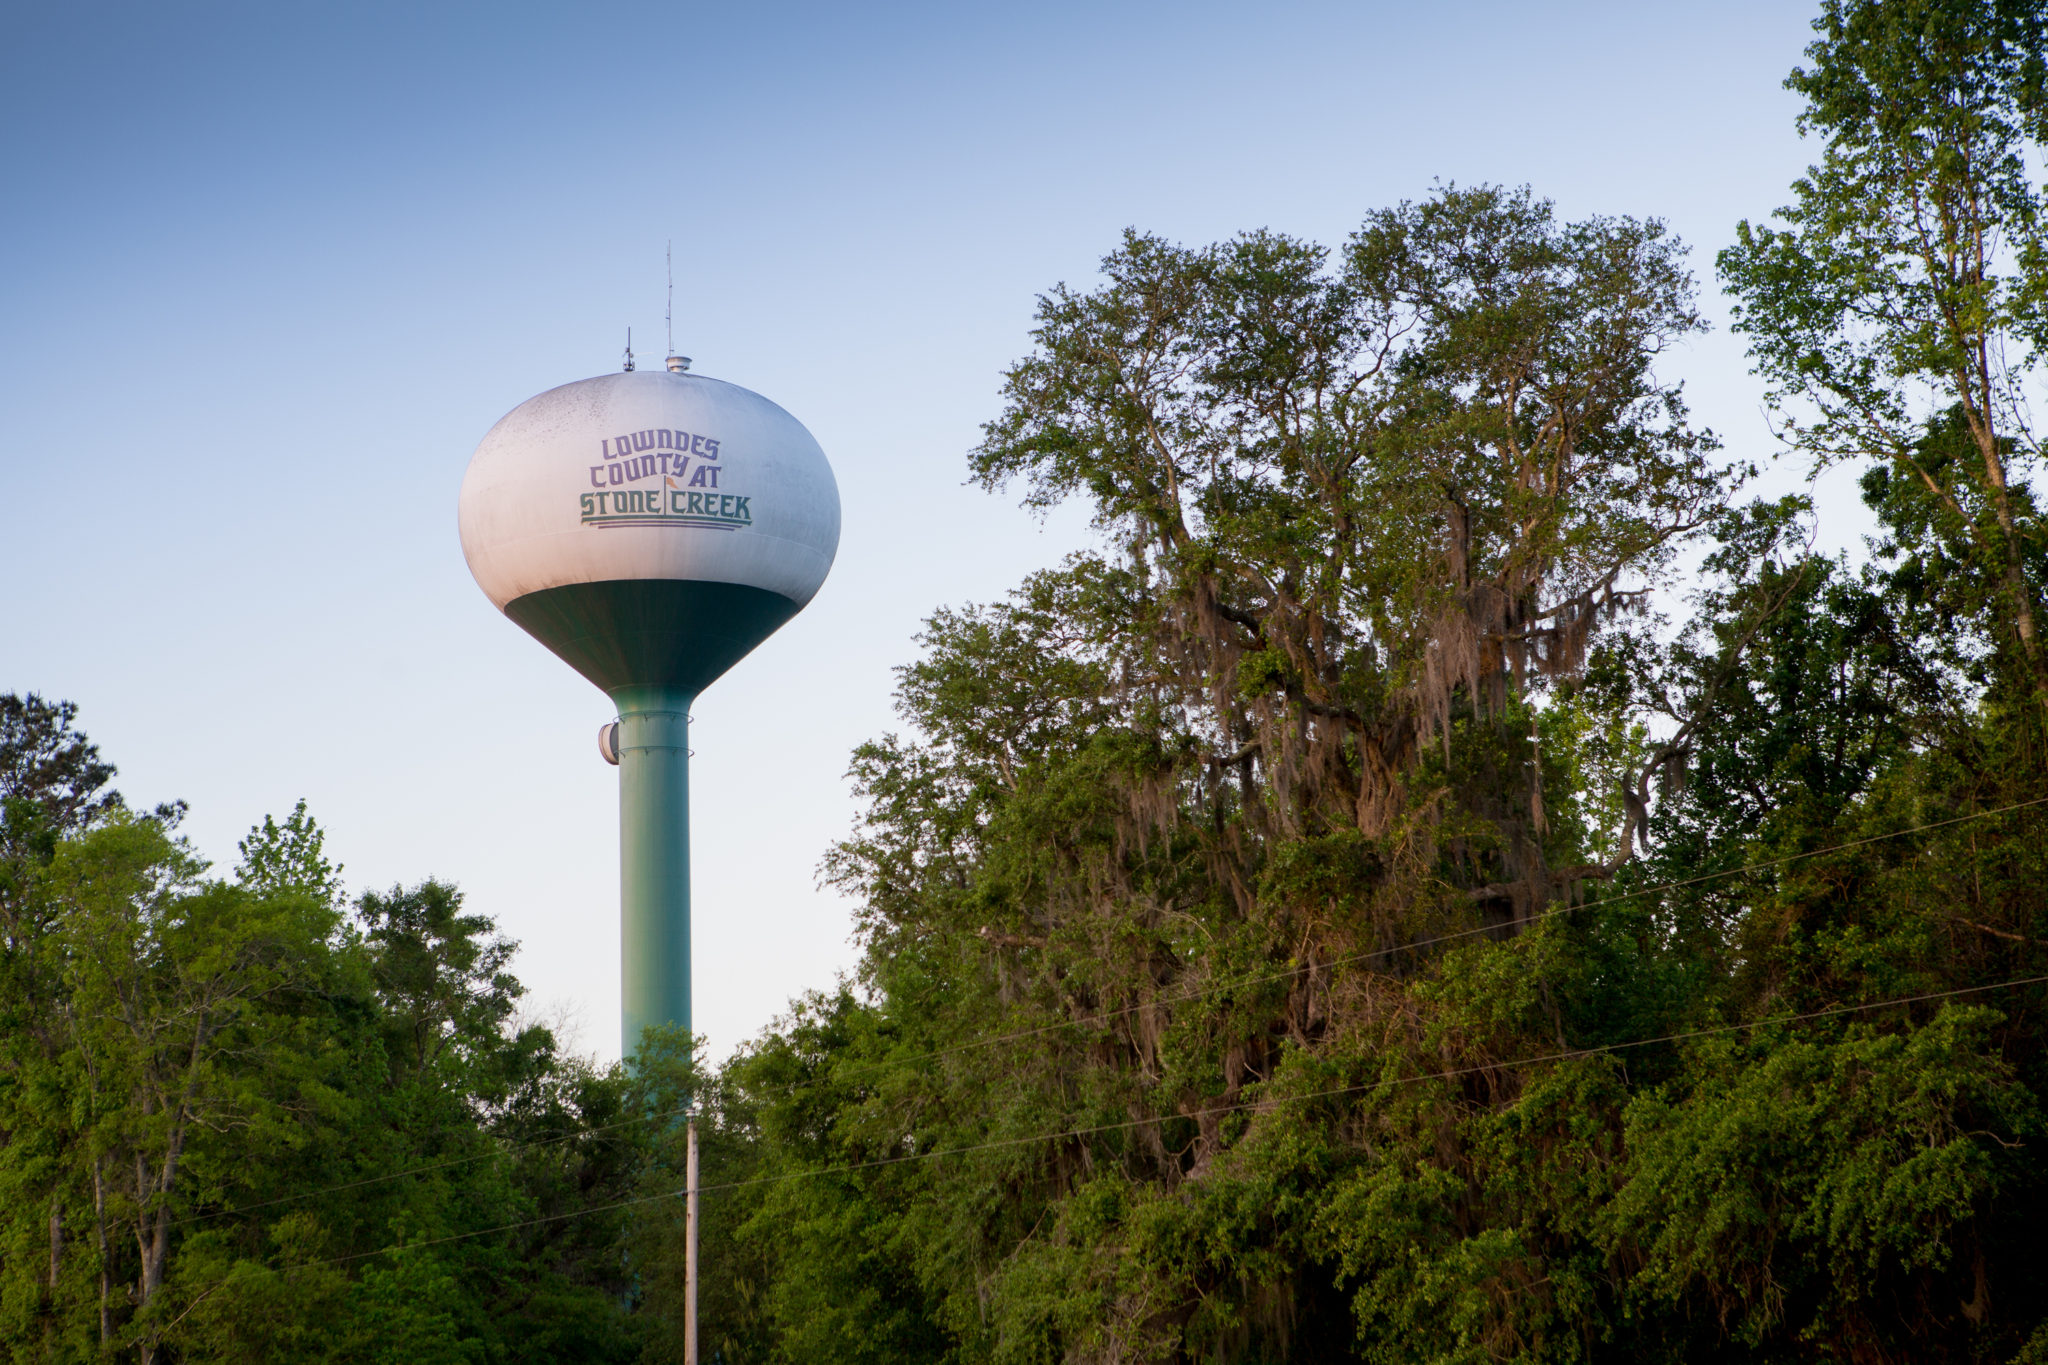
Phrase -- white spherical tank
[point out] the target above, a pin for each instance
(649, 527)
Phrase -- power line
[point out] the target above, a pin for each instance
(1102, 1017)
(1371, 953)
(1569, 1054)
(428, 1169)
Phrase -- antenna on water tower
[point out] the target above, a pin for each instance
(676, 363)
(629, 351)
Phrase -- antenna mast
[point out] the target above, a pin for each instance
(676, 363)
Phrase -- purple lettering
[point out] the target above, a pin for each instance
(595, 481)
(710, 449)
(644, 440)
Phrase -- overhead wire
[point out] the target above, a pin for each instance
(1366, 955)
(1105, 1016)
(1268, 1103)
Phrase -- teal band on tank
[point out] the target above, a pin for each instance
(651, 632)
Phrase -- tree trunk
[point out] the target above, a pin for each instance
(2022, 597)
(152, 1277)
(99, 1212)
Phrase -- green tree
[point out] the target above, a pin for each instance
(176, 1020)
(289, 857)
(1359, 497)
(1233, 986)
(1368, 513)
(44, 760)
(442, 975)
(237, 1123)
(1899, 309)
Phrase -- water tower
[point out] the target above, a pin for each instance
(650, 527)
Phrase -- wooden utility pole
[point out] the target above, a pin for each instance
(690, 1246)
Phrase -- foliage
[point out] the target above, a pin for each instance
(1336, 922)
(238, 1121)
(1898, 312)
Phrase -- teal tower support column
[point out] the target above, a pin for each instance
(653, 742)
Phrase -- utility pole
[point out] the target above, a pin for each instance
(690, 1224)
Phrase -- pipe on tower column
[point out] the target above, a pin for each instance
(654, 859)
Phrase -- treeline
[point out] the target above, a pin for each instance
(1380, 908)
(1452, 878)
(242, 1120)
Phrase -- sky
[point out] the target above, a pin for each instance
(269, 272)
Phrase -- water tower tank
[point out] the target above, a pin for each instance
(650, 528)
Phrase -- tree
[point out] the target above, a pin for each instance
(289, 858)
(1360, 498)
(443, 975)
(175, 1017)
(1233, 990)
(1368, 511)
(1900, 310)
(44, 760)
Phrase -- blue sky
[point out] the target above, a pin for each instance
(270, 272)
